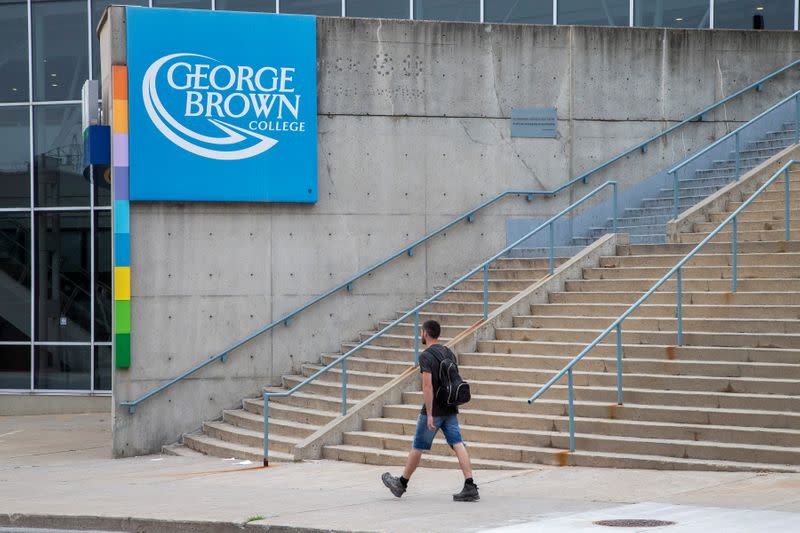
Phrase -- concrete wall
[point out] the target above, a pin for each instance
(413, 129)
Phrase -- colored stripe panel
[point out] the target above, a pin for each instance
(122, 350)
(121, 183)
(122, 249)
(122, 216)
(120, 141)
(122, 283)
(120, 116)
(119, 77)
(123, 322)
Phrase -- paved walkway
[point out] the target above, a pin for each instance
(60, 466)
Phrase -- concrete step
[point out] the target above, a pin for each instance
(388, 431)
(473, 295)
(561, 251)
(513, 366)
(710, 285)
(780, 246)
(665, 352)
(513, 285)
(508, 274)
(277, 425)
(397, 341)
(690, 297)
(475, 307)
(406, 328)
(381, 367)
(660, 405)
(683, 202)
(497, 380)
(354, 376)
(218, 448)
(761, 225)
(391, 354)
(326, 386)
(308, 400)
(669, 311)
(727, 236)
(668, 261)
(249, 438)
(616, 427)
(690, 338)
(648, 239)
(758, 326)
(283, 411)
(374, 456)
(751, 214)
(649, 229)
(527, 263)
(695, 272)
(446, 319)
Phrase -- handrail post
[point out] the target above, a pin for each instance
(344, 388)
(619, 363)
(571, 412)
(416, 338)
(787, 217)
(675, 195)
(797, 119)
(738, 158)
(485, 291)
(680, 307)
(734, 238)
(266, 428)
(614, 192)
(552, 248)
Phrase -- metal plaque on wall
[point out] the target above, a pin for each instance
(538, 122)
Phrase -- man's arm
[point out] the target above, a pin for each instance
(427, 396)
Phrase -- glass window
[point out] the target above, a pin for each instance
(263, 6)
(15, 277)
(13, 50)
(63, 278)
(98, 6)
(672, 14)
(778, 14)
(60, 49)
(458, 10)
(388, 9)
(15, 155)
(594, 12)
(58, 156)
(183, 4)
(62, 368)
(15, 367)
(329, 8)
(102, 368)
(102, 275)
(518, 11)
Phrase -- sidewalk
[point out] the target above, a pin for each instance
(60, 466)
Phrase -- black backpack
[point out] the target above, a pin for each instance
(452, 390)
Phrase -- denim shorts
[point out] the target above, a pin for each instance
(423, 438)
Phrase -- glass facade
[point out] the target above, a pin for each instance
(55, 222)
(672, 13)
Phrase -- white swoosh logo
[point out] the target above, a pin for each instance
(163, 120)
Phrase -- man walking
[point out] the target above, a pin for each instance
(434, 417)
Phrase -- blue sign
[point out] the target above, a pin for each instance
(222, 106)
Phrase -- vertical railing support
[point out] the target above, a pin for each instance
(552, 247)
(797, 119)
(619, 363)
(344, 388)
(680, 307)
(734, 239)
(738, 157)
(675, 195)
(571, 411)
(416, 338)
(614, 192)
(787, 217)
(485, 292)
(266, 429)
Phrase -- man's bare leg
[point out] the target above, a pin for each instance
(463, 460)
(412, 463)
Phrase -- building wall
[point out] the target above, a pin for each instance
(413, 129)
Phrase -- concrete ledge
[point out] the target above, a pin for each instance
(372, 405)
(110, 523)
(733, 192)
(52, 404)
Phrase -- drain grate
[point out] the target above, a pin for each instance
(633, 523)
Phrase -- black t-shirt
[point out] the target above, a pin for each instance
(428, 362)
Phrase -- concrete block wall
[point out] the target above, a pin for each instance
(414, 129)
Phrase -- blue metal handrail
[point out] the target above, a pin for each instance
(676, 270)
(469, 217)
(342, 360)
(736, 134)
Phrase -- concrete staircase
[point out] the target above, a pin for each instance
(728, 399)
(646, 223)
(240, 431)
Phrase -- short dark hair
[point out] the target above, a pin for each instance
(432, 328)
